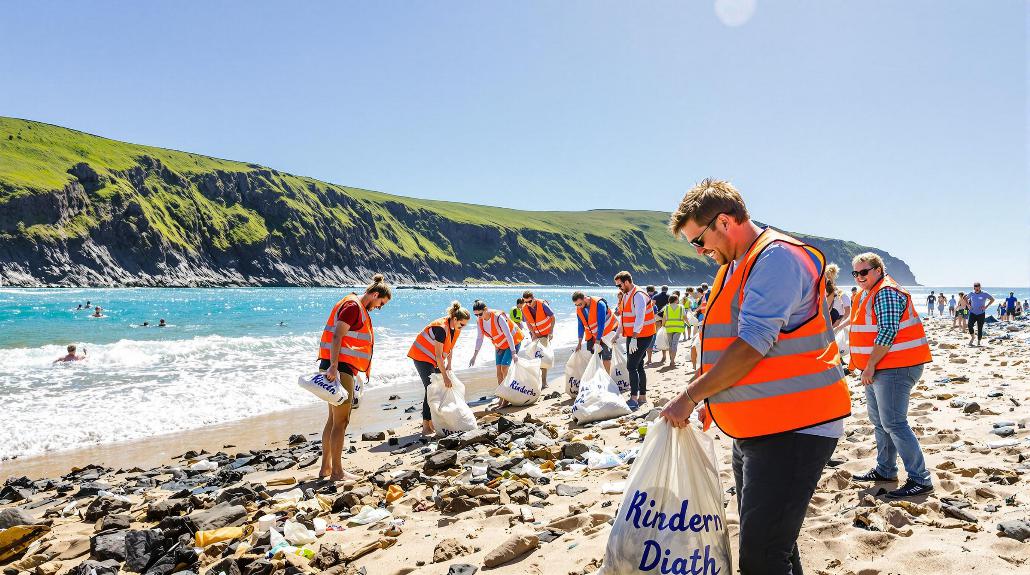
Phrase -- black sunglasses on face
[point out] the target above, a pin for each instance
(862, 273)
(697, 241)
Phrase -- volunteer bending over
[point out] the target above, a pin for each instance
(770, 372)
(431, 353)
(594, 317)
(506, 339)
(345, 350)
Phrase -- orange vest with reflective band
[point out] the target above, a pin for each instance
(356, 346)
(495, 334)
(590, 327)
(538, 321)
(855, 298)
(910, 346)
(799, 383)
(628, 317)
(424, 347)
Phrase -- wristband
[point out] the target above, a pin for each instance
(687, 393)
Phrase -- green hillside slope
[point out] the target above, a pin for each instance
(78, 209)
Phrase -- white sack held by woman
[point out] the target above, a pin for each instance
(322, 388)
(598, 397)
(574, 370)
(447, 405)
(661, 340)
(522, 384)
(671, 519)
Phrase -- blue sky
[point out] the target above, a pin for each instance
(896, 124)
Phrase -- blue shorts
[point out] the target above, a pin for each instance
(503, 356)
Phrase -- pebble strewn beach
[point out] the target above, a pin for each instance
(540, 508)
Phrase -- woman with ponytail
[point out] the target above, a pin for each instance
(346, 349)
(431, 353)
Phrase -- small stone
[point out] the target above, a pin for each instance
(91, 489)
(971, 407)
(104, 505)
(114, 521)
(373, 436)
(957, 513)
(449, 549)
(440, 460)
(574, 450)
(515, 547)
(569, 490)
(462, 569)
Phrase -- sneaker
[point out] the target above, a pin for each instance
(910, 489)
(873, 476)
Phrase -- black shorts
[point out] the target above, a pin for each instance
(323, 365)
(606, 352)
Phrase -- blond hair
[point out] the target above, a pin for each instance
(870, 258)
(707, 200)
(832, 272)
(455, 311)
(379, 287)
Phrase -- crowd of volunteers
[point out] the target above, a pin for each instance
(771, 343)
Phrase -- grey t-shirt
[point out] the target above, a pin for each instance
(780, 294)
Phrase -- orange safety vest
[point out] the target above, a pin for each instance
(628, 317)
(495, 334)
(356, 346)
(538, 321)
(855, 298)
(910, 346)
(590, 327)
(799, 383)
(423, 349)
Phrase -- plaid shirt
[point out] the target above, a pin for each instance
(888, 305)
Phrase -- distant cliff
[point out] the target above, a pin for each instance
(81, 210)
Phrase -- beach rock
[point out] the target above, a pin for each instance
(407, 480)
(449, 549)
(1018, 529)
(569, 490)
(297, 439)
(440, 460)
(48, 568)
(158, 510)
(104, 505)
(462, 569)
(11, 494)
(328, 556)
(971, 407)
(579, 521)
(456, 505)
(504, 425)
(515, 547)
(108, 545)
(239, 495)
(114, 521)
(142, 548)
(91, 489)
(574, 450)
(90, 567)
(15, 516)
(221, 515)
(228, 566)
(182, 554)
(373, 436)
(958, 513)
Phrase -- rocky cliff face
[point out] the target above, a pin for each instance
(148, 223)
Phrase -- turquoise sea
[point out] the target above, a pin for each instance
(224, 355)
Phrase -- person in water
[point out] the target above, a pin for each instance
(162, 323)
(72, 356)
(96, 312)
(145, 324)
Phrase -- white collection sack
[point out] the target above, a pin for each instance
(671, 519)
(619, 372)
(661, 340)
(574, 369)
(541, 350)
(359, 390)
(447, 405)
(598, 397)
(522, 384)
(842, 343)
(330, 391)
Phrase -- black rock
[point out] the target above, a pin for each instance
(548, 535)
(406, 480)
(90, 567)
(15, 516)
(505, 425)
(104, 505)
(461, 569)
(91, 489)
(297, 439)
(307, 461)
(114, 521)
(221, 515)
(227, 566)
(108, 545)
(158, 510)
(1018, 529)
(239, 495)
(394, 397)
(240, 462)
(143, 548)
(10, 494)
(281, 464)
(971, 407)
(440, 460)
(573, 450)
(22, 481)
(411, 409)
(569, 490)
(373, 436)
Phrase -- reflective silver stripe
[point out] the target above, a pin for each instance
(354, 353)
(798, 345)
(779, 386)
(720, 330)
(649, 321)
(359, 335)
(864, 328)
(896, 347)
(910, 322)
(423, 349)
(329, 330)
(869, 328)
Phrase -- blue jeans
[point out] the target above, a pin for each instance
(887, 400)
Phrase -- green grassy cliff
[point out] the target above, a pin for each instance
(78, 209)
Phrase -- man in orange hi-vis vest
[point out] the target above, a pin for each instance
(770, 371)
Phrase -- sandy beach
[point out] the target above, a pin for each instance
(850, 529)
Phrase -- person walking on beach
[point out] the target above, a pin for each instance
(431, 353)
(951, 307)
(979, 301)
(637, 315)
(540, 319)
(596, 320)
(770, 372)
(931, 300)
(1010, 306)
(344, 351)
(502, 333)
(961, 311)
(888, 344)
(72, 356)
(674, 319)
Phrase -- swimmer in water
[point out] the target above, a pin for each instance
(162, 323)
(282, 324)
(145, 324)
(78, 308)
(96, 312)
(72, 356)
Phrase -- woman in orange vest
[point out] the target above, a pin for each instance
(637, 314)
(344, 351)
(539, 319)
(889, 345)
(501, 330)
(431, 353)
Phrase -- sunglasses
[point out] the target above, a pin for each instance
(697, 241)
(478, 314)
(862, 273)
